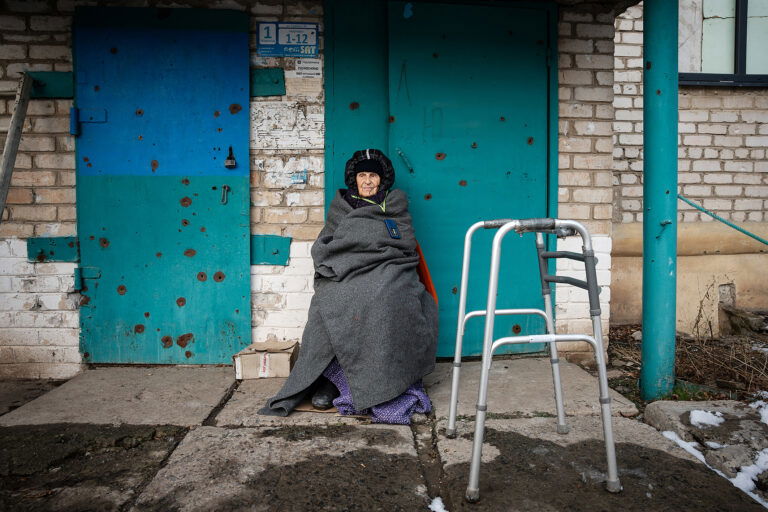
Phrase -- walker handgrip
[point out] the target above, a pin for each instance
(535, 225)
(495, 224)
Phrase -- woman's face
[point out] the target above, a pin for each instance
(367, 183)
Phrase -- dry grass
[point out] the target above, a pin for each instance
(730, 362)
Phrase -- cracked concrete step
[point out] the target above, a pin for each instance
(130, 395)
(338, 467)
(522, 387)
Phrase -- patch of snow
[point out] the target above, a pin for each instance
(758, 348)
(762, 460)
(761, 394)
(691, 447)
(762, 408)
(437, 505)
(714, 445)
(702, 419)
(745, 479)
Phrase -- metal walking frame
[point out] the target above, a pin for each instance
(561, 228)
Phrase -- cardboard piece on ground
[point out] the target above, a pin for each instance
(266, 359)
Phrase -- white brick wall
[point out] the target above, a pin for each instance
(39, 334)
(281, 296)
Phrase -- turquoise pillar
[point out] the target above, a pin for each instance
(657, 376)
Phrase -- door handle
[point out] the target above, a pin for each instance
(405, 160)
(225, 194)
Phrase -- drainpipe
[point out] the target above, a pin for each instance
(657, 377)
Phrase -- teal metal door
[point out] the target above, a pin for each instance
(161, 101)
(468, 100)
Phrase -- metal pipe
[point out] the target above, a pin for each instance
(481, 312)
(473, 487)
(450, 431)
(660, 90)
(724, 221)
(541, 338)
(13, 137)
(612, 484)
(562, 427)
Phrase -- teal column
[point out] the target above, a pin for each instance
(657, 376)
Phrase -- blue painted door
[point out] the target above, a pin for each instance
(162, 95)
(468, 91)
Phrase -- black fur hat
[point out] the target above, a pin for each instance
(370, 160)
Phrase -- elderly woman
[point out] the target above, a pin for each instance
(371, 335)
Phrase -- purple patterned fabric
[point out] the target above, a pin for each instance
(397, 411)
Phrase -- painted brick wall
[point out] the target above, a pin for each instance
(38, 317)
(287, 176)
(723, 138)
(38, 326)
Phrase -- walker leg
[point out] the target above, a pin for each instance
(473, 488)
(612, 484)
(450, 431)
(562, 428)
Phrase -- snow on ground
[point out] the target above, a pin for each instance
(744, 480)
(714, 445)
(692, 447)
(437, 505)
(703, 419)
(762, 408)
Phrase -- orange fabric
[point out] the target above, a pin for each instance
(424, 276)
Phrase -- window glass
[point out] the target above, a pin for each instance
(757, 37)
(718, 36)
(689, 36)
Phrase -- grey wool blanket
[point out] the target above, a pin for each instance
(369, 309)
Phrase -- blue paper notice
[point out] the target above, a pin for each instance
(287, 39)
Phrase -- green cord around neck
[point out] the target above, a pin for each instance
(383, 204)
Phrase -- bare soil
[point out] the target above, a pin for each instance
(79, 467)
(536, 475)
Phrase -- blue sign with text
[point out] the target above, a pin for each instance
(287, 39)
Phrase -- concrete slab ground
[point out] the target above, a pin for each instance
(527, 466)
(251, 395)
(341, 467)
(16, 392)
(130, 395)
(522, 387)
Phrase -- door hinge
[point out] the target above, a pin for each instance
(77, 116)
(83, 273)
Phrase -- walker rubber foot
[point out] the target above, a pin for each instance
(450, 433)
(563, 429)
(613, 486)
(472, 495)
